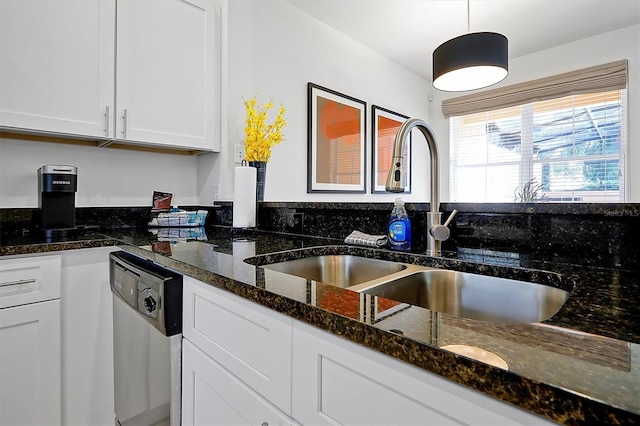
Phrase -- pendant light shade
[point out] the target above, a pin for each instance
(470, 61)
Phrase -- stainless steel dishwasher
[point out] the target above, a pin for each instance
(147, 341)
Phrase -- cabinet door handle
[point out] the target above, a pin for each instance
(106, 114)
(18, 282)
(124, 124)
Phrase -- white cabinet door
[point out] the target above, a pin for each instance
(168, 73)
(212, 396)
(249, 340)
(57, 66)
(338, 382)
(87, 338)
(30, 364)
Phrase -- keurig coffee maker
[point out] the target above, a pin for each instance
(57, 187)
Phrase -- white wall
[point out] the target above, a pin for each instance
(106, 177)
(217, 169)
(275, 51)
(300, 49)
(620, 44)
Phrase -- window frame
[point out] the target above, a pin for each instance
(601, 78)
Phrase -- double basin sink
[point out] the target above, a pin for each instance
(461, 294)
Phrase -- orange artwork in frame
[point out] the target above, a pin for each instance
(336, 156)
(384, 126)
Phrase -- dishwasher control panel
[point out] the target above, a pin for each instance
(151, 290)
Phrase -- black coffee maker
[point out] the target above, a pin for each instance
(57, 186)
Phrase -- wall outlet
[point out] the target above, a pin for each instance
(238, 153)
(294, 222)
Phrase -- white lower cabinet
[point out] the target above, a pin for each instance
(56, 339)
(245, 364)
(217, 397)
(30, 340)
(30, 364)
(87, 338)
(337, 382)
(245, 376)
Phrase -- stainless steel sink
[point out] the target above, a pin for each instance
(461, 294)
(472, 296)
(339, 270)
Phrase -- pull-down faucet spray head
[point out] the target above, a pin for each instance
(396, 179)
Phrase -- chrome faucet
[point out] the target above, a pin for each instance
(396, 181)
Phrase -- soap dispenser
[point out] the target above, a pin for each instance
(399, 227)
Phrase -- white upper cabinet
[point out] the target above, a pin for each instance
(134, 71)
(57, 66)
(168, 73)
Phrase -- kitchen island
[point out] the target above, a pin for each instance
(579, 367)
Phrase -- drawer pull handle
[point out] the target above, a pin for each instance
(18, 282)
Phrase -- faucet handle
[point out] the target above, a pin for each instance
(442, 232)
(450, 218)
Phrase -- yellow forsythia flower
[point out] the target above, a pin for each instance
(259, 136)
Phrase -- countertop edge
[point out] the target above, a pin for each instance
(58, 246)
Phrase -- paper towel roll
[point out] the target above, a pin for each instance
(244, 197)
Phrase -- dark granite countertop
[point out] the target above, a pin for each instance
(30, 243)
(580, 367)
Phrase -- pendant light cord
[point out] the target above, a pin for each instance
(468, 18)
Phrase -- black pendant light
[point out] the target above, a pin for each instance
(470, 61)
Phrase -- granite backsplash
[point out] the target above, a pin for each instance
(602, 235)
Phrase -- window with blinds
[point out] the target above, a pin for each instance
(560, 149)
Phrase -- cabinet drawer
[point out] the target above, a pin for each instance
(252, 342)
(219, 398)
(29, 279)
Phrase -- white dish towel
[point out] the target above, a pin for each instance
(361, 239)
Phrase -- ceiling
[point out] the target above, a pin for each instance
(407, 31)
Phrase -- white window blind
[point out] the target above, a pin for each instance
(563, 149)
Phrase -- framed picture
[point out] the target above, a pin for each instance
(385, 125)
(336, 157)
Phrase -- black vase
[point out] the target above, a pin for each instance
(261, 167)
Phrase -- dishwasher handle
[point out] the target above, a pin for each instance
(152, 291)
